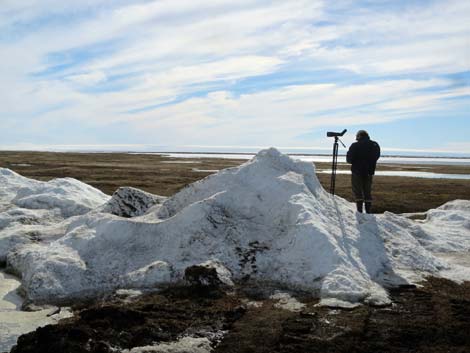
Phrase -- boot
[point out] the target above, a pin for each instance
(359, 206)
(368, 207)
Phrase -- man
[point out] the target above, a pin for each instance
(363, 156)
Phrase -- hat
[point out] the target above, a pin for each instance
(361, 134)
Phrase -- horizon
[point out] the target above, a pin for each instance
(232, 150)
(235, 75)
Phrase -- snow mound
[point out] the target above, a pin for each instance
(33, 211)
(267, 220)
(11, 182)
(70, 196)
(447, 228)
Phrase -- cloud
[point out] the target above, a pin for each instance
(281, 114)
(88, 79)
(192, 71)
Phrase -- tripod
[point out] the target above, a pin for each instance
(335, 157)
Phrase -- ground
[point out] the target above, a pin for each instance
(432, 318)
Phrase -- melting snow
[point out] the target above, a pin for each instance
(287, 302)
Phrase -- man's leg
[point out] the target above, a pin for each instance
(367, 185)
(356, 183)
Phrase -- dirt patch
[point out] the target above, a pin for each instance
(151, 319)
(432, 319)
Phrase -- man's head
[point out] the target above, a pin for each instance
(361, 134)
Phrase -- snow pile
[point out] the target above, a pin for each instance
(32, 211)
(267, 220)
(287, 302)
(447, 228)
(69, 196)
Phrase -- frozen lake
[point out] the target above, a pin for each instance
(426, 175)
(400, 173)
(325, 158)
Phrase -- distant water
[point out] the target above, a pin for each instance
(327, 158)
(425, 175)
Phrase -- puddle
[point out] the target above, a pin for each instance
(181, 162)
(13, 321)
(399, 173)
(205, 170)
(323, 158)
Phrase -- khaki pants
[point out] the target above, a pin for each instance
(362, 187)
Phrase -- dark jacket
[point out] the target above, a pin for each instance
(363, 156)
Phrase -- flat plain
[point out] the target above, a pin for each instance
(165, 175)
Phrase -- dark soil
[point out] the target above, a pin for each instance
(435, 318)
(431, 319)
(161, 317)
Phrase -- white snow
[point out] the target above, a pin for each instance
(268, 219)
(67, 195)
(447, 228)
(33, 211)
(337, 303)
(287, 302)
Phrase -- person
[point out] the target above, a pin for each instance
(363, 155)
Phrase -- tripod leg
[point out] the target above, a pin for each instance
(333, 168)
(332, 180)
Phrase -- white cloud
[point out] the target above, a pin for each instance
(278, 116)
(161, 52)
(88, 79)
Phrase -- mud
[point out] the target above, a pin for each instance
(430, 319)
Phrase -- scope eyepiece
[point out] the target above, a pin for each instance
(335, 134)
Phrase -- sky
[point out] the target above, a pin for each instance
(148, 75)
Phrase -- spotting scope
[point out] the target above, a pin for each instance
(334, 165)
(336, 134)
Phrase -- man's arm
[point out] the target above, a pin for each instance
(350, 155)
(377, 151)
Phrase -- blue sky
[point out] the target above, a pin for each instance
(133, 74)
